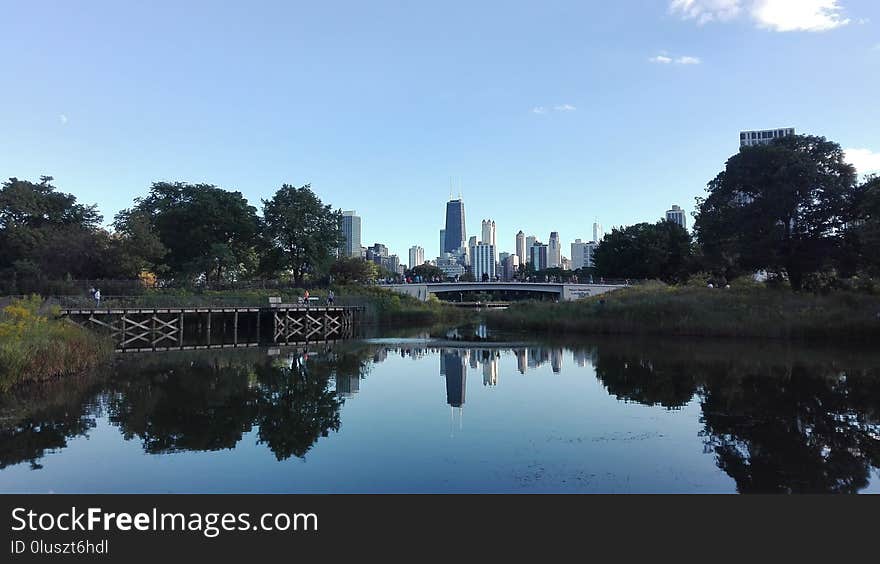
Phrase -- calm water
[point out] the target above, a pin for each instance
(420, 415)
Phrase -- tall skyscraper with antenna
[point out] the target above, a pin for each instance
(456, 234)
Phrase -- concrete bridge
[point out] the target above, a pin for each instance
(563, 291)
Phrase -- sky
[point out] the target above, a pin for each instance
(545, 115)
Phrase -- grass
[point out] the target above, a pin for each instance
(35, 347)
(744, 310)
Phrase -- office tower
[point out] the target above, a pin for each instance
(676, 215)
(451, 266)
(483, 261)
(416, 256)
(597, 232)
(442, 242)
(538, 256)
(456, 234)
(490, 368)
(554, 251)
(582, 254)
(390, 263)
(510, 266)
(351, 233)
(530, 242)
(763, 136)
(488, 232)
(521, 247)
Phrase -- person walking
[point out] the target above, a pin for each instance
(330, 297)
(97, 296)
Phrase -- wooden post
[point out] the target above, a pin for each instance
(209, 326)
(258, 326)
(235, 329)
(180, 328)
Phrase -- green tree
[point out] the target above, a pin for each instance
(47, 234)
(137, 245)
(427, 272)
(348, 270)
(777, 207)
(862, 235)
(207, 231)
(661, 250)
(302, 231)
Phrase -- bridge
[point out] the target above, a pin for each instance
(563, 291)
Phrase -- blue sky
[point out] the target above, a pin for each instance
(550, 113)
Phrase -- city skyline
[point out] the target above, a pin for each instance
(520, 102)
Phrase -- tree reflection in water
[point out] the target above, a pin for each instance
(776, 418)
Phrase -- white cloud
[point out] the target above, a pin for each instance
(705, 11)
(539, 110)
(799, 15)
(865, 160)
(63, 119)
(664, 59)
(776, 15)
(564, 108)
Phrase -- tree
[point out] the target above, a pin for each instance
(660, 250)
(862, 235)
(208, 232)
(777, 207)
(138, 247)
(347, 270)
(302, 231)
(427, 272)
(47, 234)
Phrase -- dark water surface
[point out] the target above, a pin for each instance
(421, 415)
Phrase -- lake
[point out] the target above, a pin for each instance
(437, 414)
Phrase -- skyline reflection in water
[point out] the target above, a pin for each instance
(371, 416)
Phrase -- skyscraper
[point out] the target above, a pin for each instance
(554, 251)
(538, 256)
(456, 234)
(488, 232)
(483, 261)
(530, 242)
(455, 370)
(521, 247)
(597, 232)
(676, 215)
(416, 256)
(442, 242)
(351, 232)
(582, 254)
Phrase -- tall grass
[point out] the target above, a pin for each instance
(36, 347)
(745, 310)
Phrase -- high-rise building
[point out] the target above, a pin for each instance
(351, 233)
(763, 136)
(554, 251)
(416, 256)
(597, 232)
(676, 215)
(456, 234)
(530, 242)
(488, 232)
(483, 261)
(510, 266)
(442, 242)
(538, 256)
(521, 247)
(582, 254)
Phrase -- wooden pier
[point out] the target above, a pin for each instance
(167, 328)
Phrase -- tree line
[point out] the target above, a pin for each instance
(178, 232)
(794, 209)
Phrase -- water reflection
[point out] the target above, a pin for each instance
(773, 418)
